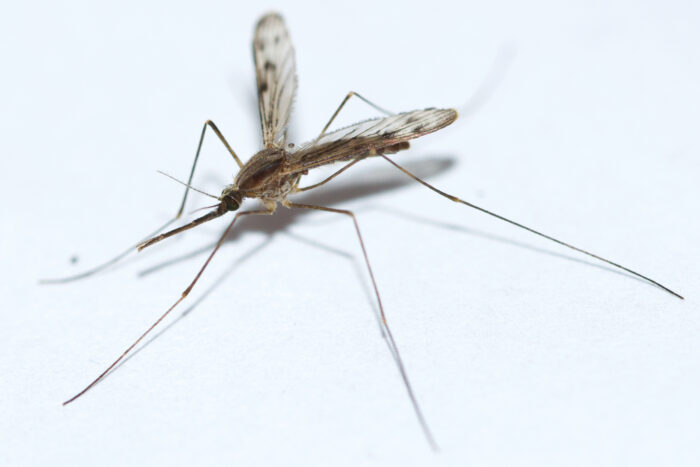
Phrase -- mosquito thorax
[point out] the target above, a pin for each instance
(260, 170)
(230, 198)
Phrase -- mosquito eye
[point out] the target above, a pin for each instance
(231, 203)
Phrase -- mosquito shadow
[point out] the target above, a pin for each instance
(358, 269)
(382, 180)
(497, 238)
(371, 183)
(217, 283)
(222, 277)
(192, 254)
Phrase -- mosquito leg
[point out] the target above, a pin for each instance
(325, 128)
(497, 216)
(180, 210)
(387, 332)
(182, 297)
(316, 185)
(214, 128)
(342, 104)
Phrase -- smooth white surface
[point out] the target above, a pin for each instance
(520, 352)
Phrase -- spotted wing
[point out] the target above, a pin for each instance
(275, 70)
(370, 138)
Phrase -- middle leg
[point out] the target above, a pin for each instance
(385, 325)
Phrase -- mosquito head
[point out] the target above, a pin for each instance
(230, 198)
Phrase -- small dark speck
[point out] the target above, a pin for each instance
(418, 128)
(269, 66)
(412, 119)
(74, 259)
(263, 87)
(290, 145)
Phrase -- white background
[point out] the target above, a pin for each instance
(584, 122)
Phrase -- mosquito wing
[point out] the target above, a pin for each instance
(275, 71)
(370, 138)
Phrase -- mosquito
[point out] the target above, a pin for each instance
(275, 172)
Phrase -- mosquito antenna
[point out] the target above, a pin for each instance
(497, 216)
(187, 185)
